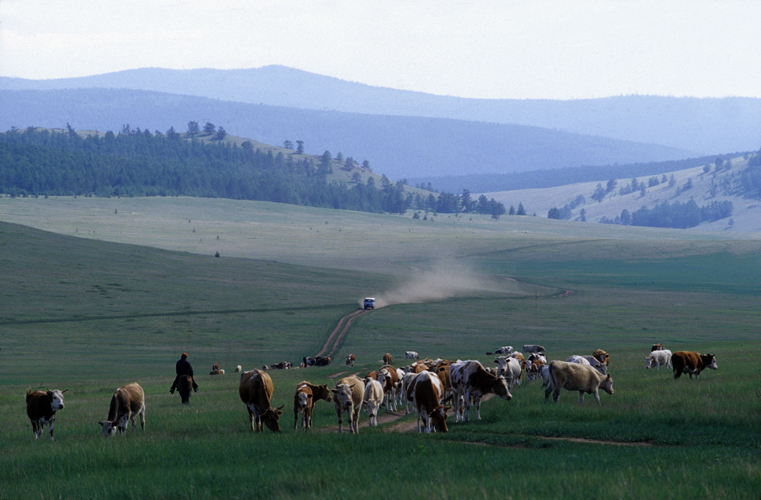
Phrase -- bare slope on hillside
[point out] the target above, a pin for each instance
(707, 187)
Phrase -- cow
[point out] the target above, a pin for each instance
(389, 379)
(350, 359)
(216, 370)
(238, 368)
(411, 355)
(470, 379)
(589, 361)
(304, 400)
(534, 356)
(388, 359)
(372, 399)
(656, 347)
(519, 357)
(505, 349)
(511, 369)
(316, 361)
(601, 356)
(41, 407)
(127, 403)
(533, 348)
(406, 381)
(347, 398)
(692, 363)
(184, 387)
(255, 392)
(425, 392)
(533, 370)
(656, 359)
(283, 365)
(577, 377)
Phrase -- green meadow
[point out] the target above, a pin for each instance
(97, 293)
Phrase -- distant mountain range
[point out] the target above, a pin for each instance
(403, 134)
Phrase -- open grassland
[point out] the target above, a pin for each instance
(89, 316)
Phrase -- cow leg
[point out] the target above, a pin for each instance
(340, 419)
(36, 429)
(51, 424)
(478, 408)
(142, 419)
(556, 395)
(581, 397)
(596, 394)
(547, 392)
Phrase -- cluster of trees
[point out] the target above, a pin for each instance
(674, 215)
(137, 162)
(750, 179)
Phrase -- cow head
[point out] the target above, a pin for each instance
(342, 394)
(303, 399)
(500, 388)
(56, 401)
(110, 428)
(439, 418)
(607, 384)
(649, 361)
(270, 418)
(711, 358)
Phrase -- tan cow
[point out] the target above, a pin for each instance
(692, 363)
(304, 400)
(425, 392)
(127, 403)
(577, 377)
(41, 407)
(388, 359)
(256, 391)
(470, 379)
(347, 398)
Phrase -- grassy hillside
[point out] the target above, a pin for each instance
(707, 187)
(93, 312)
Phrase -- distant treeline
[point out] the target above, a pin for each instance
(674, 215)
(140, 163)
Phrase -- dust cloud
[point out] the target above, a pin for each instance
(446, 280)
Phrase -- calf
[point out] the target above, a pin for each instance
(127, 403)
(255, 392)
(372, 399)
(425, 392)
(656, 359)
(470, 379)
(350, 359)
(347, 398)
(41, 407)
(303, 402)
(692, 363)
(577, 377)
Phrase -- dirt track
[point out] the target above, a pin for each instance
(339, 332)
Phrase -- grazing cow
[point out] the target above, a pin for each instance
(411, 355)
(255, 391)
(350, 359)
(601, 356)
(577, 377)
(505, 349)
(303, 402)
(533, 348)
(216, 370)
(127, 403)
(656, 347)
(372, 399)
(347, 398)
(238, 368)
(184, 386)
(425, 392)
(656, 359)
(510, 368)
(389, 379)
(41, 407)
(588, 361)
(692, 363)
(534, 369)
(388, 359)
(470, 379)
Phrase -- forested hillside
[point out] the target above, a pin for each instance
(135, 162)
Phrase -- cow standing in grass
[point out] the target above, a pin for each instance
(127, 403)
(304, 400)
(255, 391)
(692, 363)
(41, 407)
(347, 398)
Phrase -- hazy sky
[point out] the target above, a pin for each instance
(556, 49)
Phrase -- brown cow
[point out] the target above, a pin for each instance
(255, 391)
(470, 378)
(41, 407)
(350, 359)
(216, 370)
(656, 347)
(127, 403)
(692, 363)
(425, 390)
(347, 398)
(601, 356)
(388, 359)
(303, 402)
(389, 379)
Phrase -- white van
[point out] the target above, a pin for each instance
(369, 303)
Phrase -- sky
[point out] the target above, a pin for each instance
(503, 49)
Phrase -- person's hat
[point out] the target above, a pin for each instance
(184, 355)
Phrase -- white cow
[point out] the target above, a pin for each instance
(372, 399)
(411, 355)
(656, 359)
(577, 377)
(510, 368)
(589, 361)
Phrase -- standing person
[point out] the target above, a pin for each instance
(183, 368)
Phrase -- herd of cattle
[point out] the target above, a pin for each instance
(424, 385)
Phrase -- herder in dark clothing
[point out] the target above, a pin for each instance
(183, 368)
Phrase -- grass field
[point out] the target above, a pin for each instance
(119, 303)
